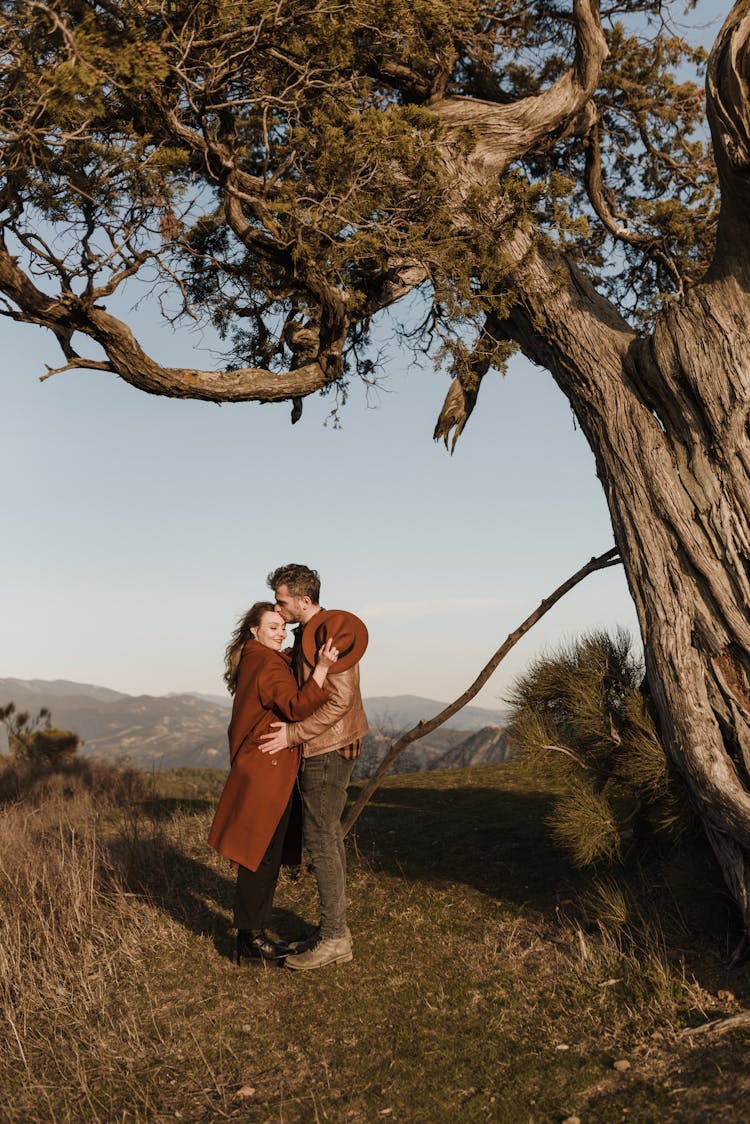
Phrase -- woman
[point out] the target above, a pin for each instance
(251, 821)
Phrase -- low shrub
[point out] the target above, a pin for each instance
(37, 781)
(579, 714)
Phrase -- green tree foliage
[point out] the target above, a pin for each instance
(35, 740)
(579, 713)
(287, 169)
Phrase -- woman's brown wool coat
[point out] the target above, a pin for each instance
(259, 784)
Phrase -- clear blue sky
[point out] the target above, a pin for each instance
(137, 529)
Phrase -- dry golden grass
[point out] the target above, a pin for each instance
(480, 989)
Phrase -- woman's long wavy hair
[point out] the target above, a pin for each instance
(240, 636)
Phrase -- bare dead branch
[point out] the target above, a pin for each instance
(78, 364)
(600, 562)
(464, 389)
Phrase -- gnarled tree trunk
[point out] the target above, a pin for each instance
(667, 419)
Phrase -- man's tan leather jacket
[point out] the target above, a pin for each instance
(340, 721)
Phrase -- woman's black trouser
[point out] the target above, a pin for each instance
(253, 896)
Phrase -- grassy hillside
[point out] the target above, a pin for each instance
(481, 989)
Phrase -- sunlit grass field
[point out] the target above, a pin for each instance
(491, 980)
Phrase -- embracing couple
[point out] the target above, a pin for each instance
(296, 730)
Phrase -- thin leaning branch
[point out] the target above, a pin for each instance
(610, 557)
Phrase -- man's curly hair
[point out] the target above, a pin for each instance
(300, 580)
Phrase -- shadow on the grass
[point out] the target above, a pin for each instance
(497, 841)
(494, 840)
(194, 894)
(190, 892)
(489, 833)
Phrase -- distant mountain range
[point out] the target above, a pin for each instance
(403, 711)
(169, 731)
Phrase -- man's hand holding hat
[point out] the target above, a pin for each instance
(347, 632)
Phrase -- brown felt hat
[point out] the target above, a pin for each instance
(347, 632)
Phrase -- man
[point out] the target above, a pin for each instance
(331, 740)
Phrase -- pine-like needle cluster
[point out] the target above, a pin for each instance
(580, 714)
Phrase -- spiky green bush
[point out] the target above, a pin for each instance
(580, 714)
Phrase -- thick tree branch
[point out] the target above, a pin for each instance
(130, 361)
(507, 132)
(600, 562)
(247, 384)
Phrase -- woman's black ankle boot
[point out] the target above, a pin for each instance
(259, 946)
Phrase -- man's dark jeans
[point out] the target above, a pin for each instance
(323, 783)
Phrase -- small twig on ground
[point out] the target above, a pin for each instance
(609, 558)
(718, 1026)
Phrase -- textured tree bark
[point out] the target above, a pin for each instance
(505, 132)
(667, 421)
(691, 581)
(666, 417)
